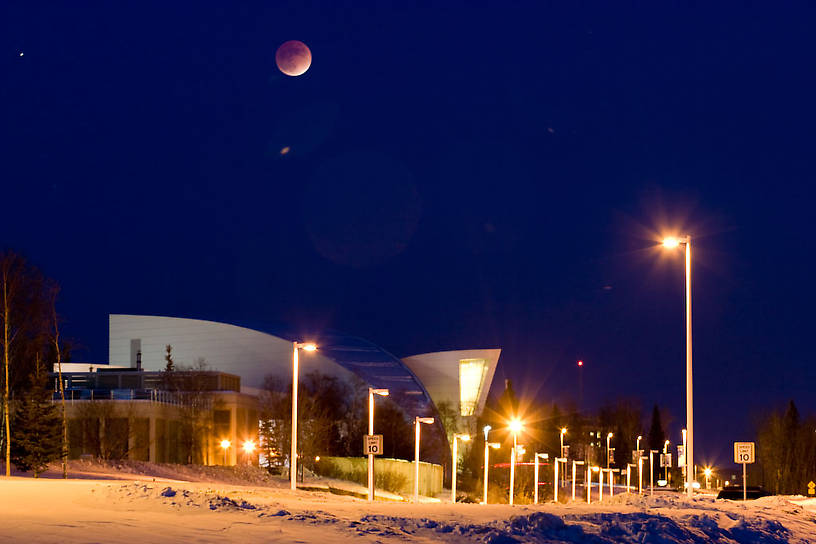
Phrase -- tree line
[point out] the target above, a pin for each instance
(34, 431)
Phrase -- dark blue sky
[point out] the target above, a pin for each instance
(466, 176)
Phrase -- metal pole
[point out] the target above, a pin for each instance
(370, 455)
(600, 482)
(640, 475)
(416, 461)
(651, 472)
(744, 483)
(487, 454)
(453, 470)
(689, 388)
(293, 454)
(555, 479)
(588, 484)
(535, 478)
(573, 481)
(513, 467)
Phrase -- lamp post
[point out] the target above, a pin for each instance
(455, 461)
(495, 446)
(689, 454)
(371, 393)
(637, 448)
(225, 444)
(561, 436)
(293, 454)
(707, 472)
(608, 438)
(665, 452)
(515, 428)
(417, 421)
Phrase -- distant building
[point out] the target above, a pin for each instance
(137, 349)
(118, 413)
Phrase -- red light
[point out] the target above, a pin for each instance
(580, 363)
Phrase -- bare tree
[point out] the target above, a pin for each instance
(55, 338)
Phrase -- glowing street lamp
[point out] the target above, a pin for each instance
(371, 393)
(417, 421)
(672, 243)
(608, 438)
(515, 427)
(225, 444)
(665, 452)
(293, 455)
(707, 472)
(455, 462)
(488, 445)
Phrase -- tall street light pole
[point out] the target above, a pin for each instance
(563, 432)
(455, 462)
(371, 393)
(488, 445)
(293, 454)
(417, 421)
(515, 428)
(673, 243)
(608, 438)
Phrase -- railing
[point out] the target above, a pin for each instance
(153, 395)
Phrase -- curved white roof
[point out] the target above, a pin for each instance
(461, 377)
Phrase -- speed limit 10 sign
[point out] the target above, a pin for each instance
(743, 452)
(372, 444)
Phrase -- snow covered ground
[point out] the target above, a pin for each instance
(144, 503)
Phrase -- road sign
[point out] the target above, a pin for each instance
(681, 456)
(743, 452)
(565, 452)
(665, 460)
(811, 488)
(611, 455)
(372, 444)
(636, 455)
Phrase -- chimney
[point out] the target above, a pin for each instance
(139, 360)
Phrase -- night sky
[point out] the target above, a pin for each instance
(458, 177)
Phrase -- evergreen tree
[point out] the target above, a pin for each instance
(656, 436)
(169, 366)
(37, 430)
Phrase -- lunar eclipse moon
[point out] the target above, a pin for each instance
(293, 58)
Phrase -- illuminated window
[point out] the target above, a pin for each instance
(472, 374)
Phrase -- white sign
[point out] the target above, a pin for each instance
(372, 444)
(666, 460)
(681, 456)
(636, 455)
(743, 452)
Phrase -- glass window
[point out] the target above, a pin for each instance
(472, 374)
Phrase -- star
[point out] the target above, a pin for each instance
(21, 53)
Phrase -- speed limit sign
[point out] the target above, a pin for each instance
(743, 452)
(372, 444)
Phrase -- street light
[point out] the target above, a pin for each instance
(417, 421)
(608, 438)
(225, 444)
(515, 427)
(666, 468)
(495, 446)
(672, 243)
(293, 455)
(455, 462)
(561, 436)
(637, 447)
(371, 393)
(707, 472)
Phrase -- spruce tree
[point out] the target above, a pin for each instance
(656, 436)
(37, 430)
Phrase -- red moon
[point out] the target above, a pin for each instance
(293, 58)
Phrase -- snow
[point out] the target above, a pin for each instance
(139, 502)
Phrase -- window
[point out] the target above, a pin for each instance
(471, 379)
